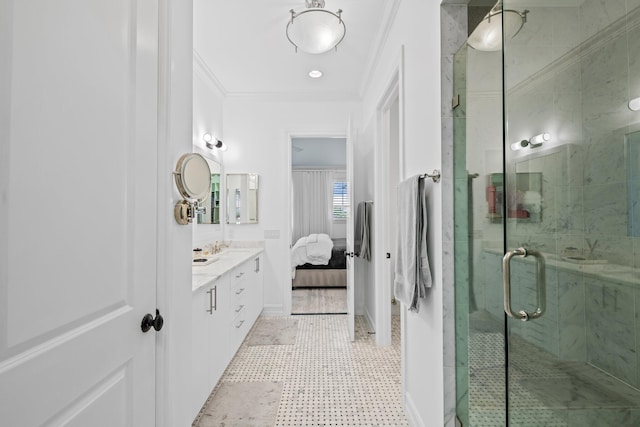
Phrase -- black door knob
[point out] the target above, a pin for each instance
(148, 322)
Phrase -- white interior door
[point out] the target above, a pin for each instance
(78, 132)
(350, 236)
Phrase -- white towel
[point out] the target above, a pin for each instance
(362, 239)
(412, 272)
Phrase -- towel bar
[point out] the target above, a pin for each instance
(435, 176)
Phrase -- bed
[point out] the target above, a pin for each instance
(328, 272)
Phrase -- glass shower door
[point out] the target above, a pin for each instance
(479, 239)
(570, 214)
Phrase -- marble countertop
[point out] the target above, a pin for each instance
(621, 274)
(226, 261)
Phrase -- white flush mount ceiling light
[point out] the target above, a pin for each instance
(315, 74)
(315, 29)
(634, 104)
(487, 36)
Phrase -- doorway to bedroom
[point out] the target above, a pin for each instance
(319, 211)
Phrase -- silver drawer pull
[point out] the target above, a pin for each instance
(240, 324)
(239, 275)
(213, 299)
(239, 309)
(241, 290)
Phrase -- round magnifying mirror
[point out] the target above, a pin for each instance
(193, 176)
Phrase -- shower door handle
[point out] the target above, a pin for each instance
(541, 286)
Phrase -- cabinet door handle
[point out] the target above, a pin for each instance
(239, 309)
(213, 299)
(257, 265)
(239, 275)
(241, 290)
(239, 324)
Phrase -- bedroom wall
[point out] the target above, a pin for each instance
(417, 27)
(257, 130)
(207, 118)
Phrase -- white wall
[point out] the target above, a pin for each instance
(257, 131)
(207, 118)
(417, 28)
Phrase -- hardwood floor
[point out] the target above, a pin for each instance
(319, 301)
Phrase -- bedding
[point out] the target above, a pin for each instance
(337, 261)
(331, 278)
(330, 273)
(313, 249)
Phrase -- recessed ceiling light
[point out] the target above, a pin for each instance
(315, 74)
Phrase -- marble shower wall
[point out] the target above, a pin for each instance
(571, 72)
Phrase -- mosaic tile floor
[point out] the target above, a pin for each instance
(326, 379)
(543, 390)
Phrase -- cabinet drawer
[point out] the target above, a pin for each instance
(239, 293)
(239, 309)
(239, 274)
(239, 329)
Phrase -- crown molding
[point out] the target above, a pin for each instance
(388, 17)
(294, 96)
(200, 67)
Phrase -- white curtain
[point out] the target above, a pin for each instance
(312, 202)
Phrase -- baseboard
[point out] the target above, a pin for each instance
(411, 410)
(370, 323)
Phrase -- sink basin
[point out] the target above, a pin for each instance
(204, 260)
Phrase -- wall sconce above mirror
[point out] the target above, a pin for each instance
(242, 198)
(208, 140)
(193, 180)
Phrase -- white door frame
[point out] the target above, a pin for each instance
(287, 294)
(175, 129)
(383, 295)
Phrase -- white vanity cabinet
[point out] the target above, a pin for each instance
(210, 342)
(223, 312)
(246, 293)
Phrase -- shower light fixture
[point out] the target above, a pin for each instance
(315, 29)
(634, 104)
(487, 36)
(533, 142)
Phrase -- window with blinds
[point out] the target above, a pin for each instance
(340, 200)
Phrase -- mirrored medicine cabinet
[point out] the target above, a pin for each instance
(242, 198)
